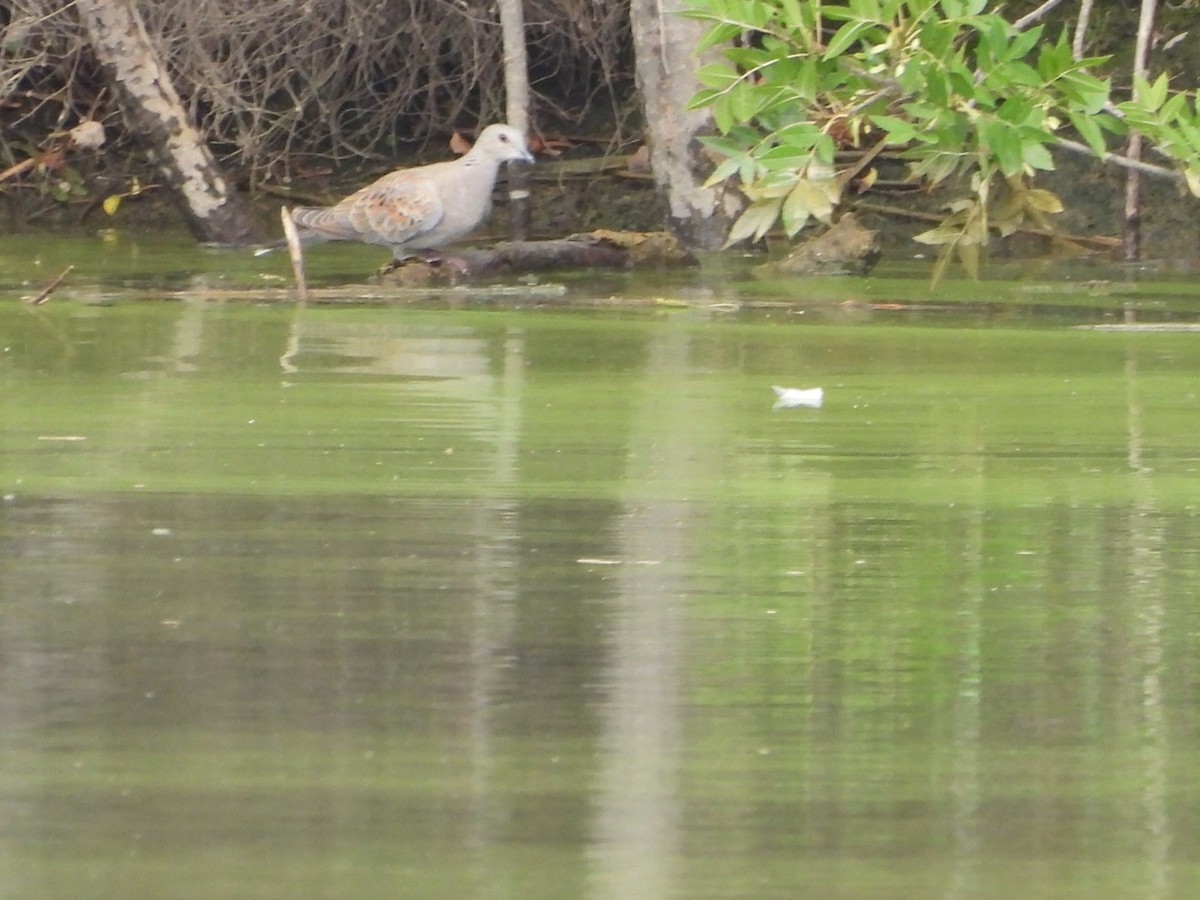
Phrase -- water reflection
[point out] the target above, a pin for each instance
(1147, 594)
(637, 836)
(345, 602)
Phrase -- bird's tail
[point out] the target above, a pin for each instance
(270, 248)
(306, 236)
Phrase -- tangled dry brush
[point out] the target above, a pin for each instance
(337, 78)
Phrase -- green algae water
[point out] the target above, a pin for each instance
(399, 602)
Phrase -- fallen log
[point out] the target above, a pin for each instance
(596, 249)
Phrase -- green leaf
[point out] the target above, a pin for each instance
(961, 82)
(1174, 107)
(1016, 72)
(1036, 156)
(846, 37)
(721, 33)
(943, 262)
(793, 15)
(745, 100)
(1043, 200)
(1086, 90)
(994, 34)
(1192, 178)
(807, 81)
(1054, 59)
(1003, 143)
(725, 170)
(722, 112)
(936, 37)
(1151, 95)
(795, 212)
(799, 134)
(943, 234)
(748, 169)
(702, 98)
(716, 75)
(111, 204)
(726, 145)
(1024, 42)
(968, 255)
(756, 14)
(812, 199)
(785, 158)
(1017, 111)
(755, 221)
(899, 131)
(1191, 134)
(825, 150)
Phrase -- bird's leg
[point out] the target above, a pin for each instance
(447, 262)
(424, 267)
(459, 266)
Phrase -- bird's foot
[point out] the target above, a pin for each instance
(451, 266)
(424, 269)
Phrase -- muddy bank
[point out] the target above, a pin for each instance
(584, 194)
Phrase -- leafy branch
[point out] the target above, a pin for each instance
(961, 94)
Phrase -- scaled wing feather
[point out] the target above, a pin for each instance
(391, 211)
(397, 208)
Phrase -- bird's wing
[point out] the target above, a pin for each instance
(392, 210)
(397, 207)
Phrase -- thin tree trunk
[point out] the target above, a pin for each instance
(1133, 179)
(516, 91)
(156, 116)
(1078, 44)
(665, 45)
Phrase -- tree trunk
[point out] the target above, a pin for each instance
(665, 45)
(154, 113)
(1133, 178)
(516, 92)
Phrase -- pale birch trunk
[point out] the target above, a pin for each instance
(516, 91)
(1133, 179)
(665, 45)
(156, 117)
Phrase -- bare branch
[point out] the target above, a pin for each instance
(342, 79)
(1030, 18)
(1123, 161)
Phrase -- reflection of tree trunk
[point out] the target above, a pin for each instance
(155, 113)
(966, 788)
(638, 805)
(666, 60)
(1148, 597)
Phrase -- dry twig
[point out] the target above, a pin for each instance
(44, 294)
(296, 252)
(347, 79)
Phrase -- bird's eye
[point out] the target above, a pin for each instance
(504, 138)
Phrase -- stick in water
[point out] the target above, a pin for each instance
(295, 252)
(44, 294)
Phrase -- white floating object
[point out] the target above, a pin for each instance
(788, 397)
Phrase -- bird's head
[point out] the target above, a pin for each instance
(502, 143)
